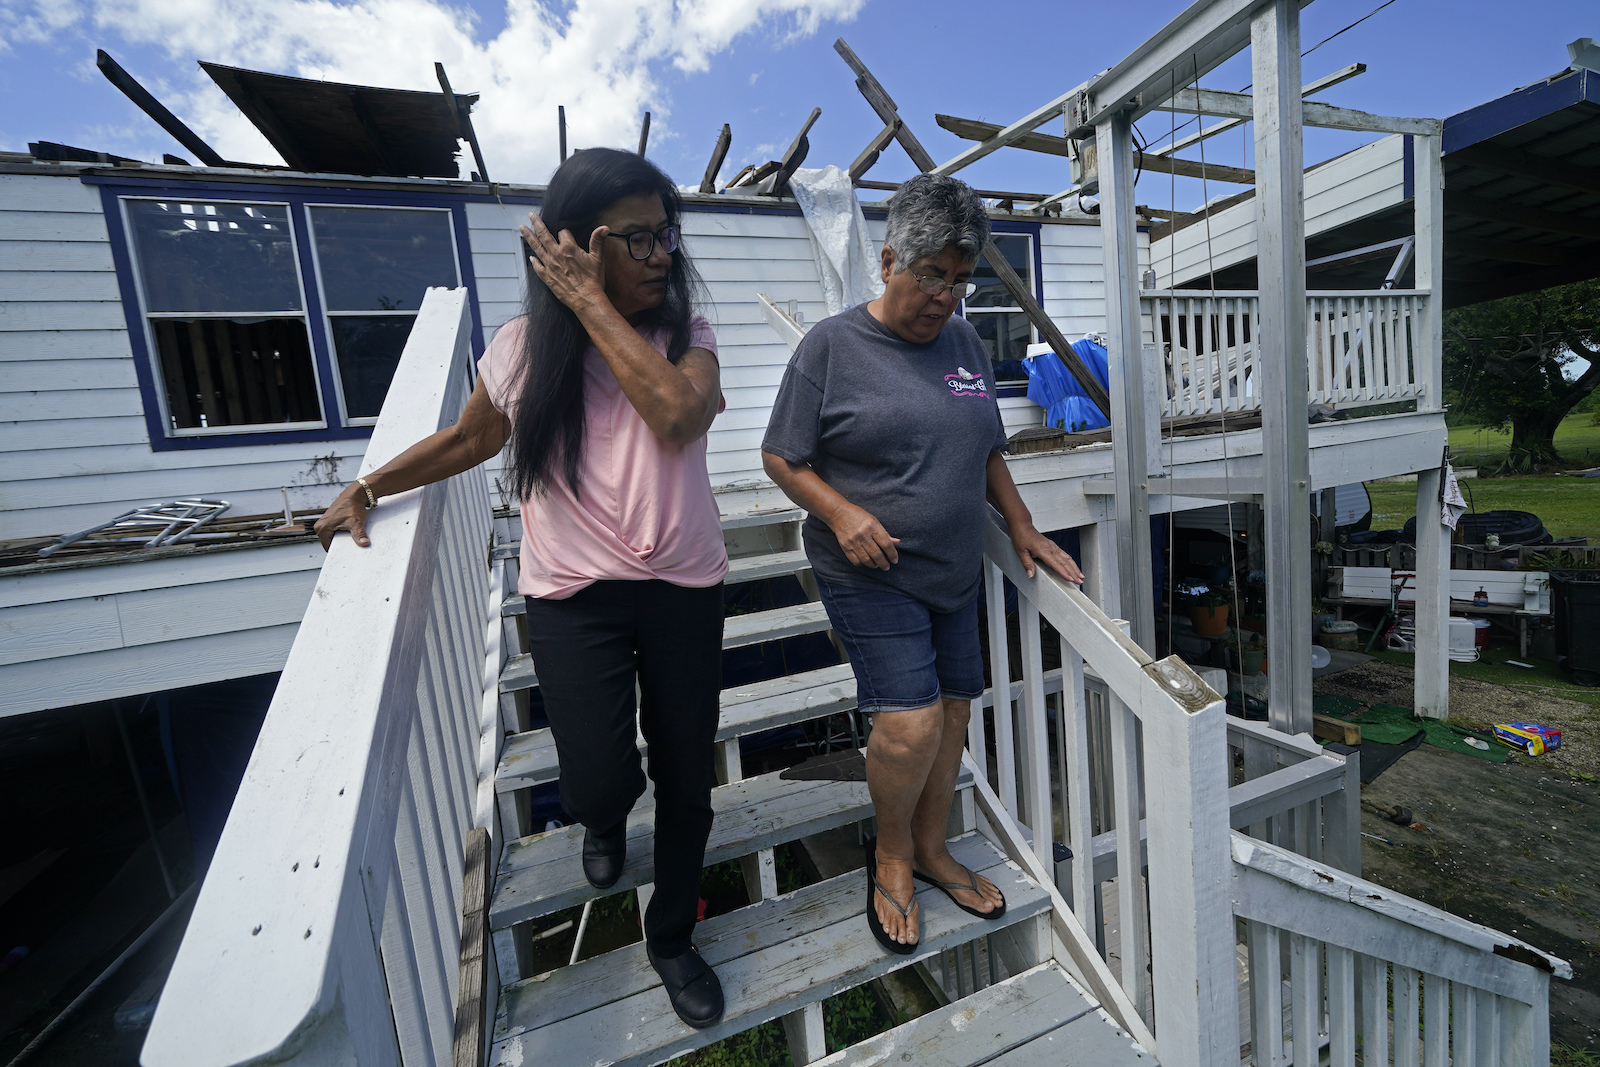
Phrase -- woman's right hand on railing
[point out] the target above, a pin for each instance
(347, 512)
(864, 540)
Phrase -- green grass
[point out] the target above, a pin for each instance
(1570, 507)
(1545, 676)
(1577, 440)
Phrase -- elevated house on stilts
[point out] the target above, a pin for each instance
(1185, 887)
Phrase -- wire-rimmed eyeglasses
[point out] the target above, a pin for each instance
(933, 286)
(641, 243)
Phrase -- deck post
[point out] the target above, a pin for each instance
(1432, 661)
(1193, 964)
(1286, 453)
(1125, 343)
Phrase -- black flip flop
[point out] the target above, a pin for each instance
(972, 887)
(873, 922)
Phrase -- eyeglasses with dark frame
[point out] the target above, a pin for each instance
(934, 286)
(642, 243)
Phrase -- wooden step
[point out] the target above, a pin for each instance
(543, 873)
(1039, 1018)
(773, 958)
(743, 569)
(529, 758)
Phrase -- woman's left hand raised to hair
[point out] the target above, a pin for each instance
(576, 276)
(1032, 546)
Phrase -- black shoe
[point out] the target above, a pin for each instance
(691, 985)
(603, 856)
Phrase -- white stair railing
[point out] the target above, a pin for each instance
(328, 929)
(1146, 744)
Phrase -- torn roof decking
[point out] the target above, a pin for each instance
(333, 128)
(1522, 201)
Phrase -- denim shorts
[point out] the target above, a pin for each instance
(903, 654)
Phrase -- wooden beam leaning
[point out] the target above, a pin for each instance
(1239, 106)
(708, 184)
(1327, 81)
(869, 155)
(155, 109)
(463, 112)
(796, 153)
(1009, 135)
(884, 105)
(644, 133)
(1050, 144)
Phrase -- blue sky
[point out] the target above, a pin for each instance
(760, 65)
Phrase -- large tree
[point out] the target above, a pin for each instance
(1506, 361)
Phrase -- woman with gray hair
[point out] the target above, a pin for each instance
(886, 432)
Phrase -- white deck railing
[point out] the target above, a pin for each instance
(1361, 347)
(328, 929)
(1132, 741)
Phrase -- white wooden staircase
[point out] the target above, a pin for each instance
(364, 901)
(782, 955)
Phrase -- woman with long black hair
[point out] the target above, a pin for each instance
(605, 387)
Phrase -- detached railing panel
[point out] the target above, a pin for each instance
(328, 929)
(1361, 347)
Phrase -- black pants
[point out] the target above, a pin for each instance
(587, 651)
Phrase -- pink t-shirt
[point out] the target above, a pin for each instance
(645, 508)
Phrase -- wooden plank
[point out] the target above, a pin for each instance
(64, 343)
(1050, 144)
(47, 631)
(570, 991)
(31, 406)
(120, 672)
(529, 758)
(57, 285)
(762, 985)
(53, 226)
(44, 375)
(56, 256)
(153, 616)
(471, 1034)
(538, 875)
(1242, 106)
(1348, 733)
(1094, 1038)
(58, 583)
(1008, 1013)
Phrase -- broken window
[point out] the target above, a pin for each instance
(374, 265)
(1002, 325)
(225, 312)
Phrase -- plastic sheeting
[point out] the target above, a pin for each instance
(1052, 387)
(846, 260)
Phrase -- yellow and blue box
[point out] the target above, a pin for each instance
(1528, 737)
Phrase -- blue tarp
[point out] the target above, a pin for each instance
(1052, 387)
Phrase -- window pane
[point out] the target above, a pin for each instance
(214, 256)
(1018, 250)
(236, 372)
(381, 260)
(1006, 334)
(368, 349)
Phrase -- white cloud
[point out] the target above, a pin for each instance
(599, 58)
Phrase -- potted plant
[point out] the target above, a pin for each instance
(1248, 650)
(1209, 612)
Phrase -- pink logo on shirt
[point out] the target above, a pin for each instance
(964, 383)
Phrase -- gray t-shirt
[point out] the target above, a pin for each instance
(900, 429)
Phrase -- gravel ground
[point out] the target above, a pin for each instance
(1482, 704)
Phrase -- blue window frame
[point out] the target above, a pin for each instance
(262, 314)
